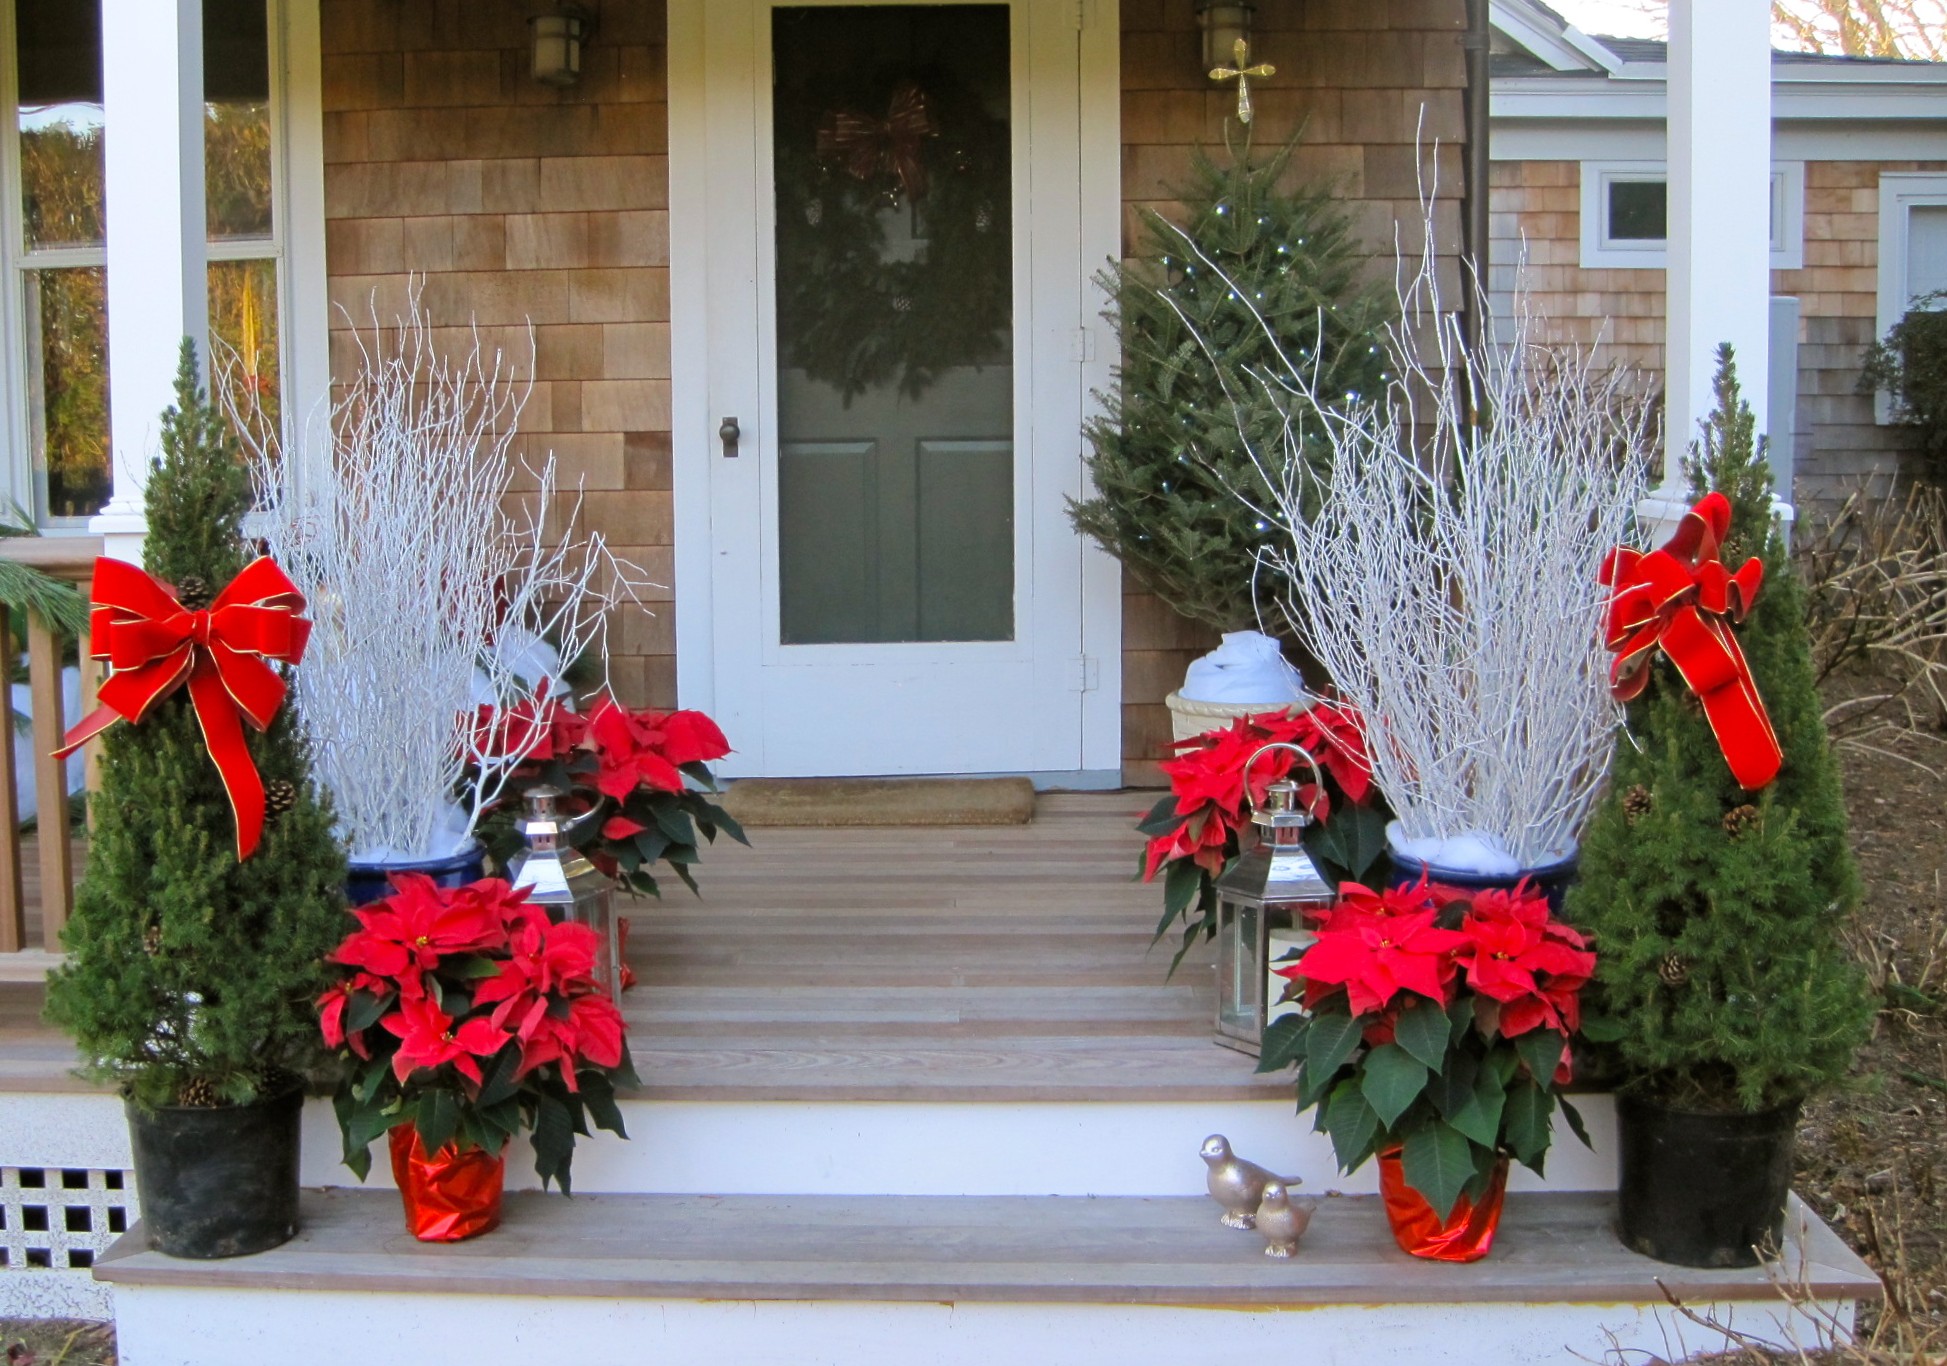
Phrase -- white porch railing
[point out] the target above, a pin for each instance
(51, 890)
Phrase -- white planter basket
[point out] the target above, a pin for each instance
(1189, 718)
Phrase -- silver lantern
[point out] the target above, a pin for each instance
(1262, 904)
(559, 878)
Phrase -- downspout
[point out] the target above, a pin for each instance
(1474, 223)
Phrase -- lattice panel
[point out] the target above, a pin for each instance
(61, 1219)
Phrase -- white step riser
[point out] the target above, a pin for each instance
(175, 1327)
(871, 1148)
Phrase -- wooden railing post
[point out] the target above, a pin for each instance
(50, 782)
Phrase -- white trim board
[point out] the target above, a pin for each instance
(1570, 139)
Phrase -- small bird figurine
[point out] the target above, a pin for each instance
(1235, 1184)
(1281, 1220)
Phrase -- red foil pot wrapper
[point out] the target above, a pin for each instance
(450, 1195)
(1466, 1235)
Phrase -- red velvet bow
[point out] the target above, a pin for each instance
(871, 146)
(1683, 600)
(153, 644)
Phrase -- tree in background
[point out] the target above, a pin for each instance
(1913, 29)
(190, 974)
(1257, 268)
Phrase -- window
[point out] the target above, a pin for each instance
(1912, 248)
(55, 245)
(1626, 210)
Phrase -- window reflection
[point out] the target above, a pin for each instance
(236, 135)
(60, 121)
(67, 357)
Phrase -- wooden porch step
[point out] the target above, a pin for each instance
(1553, 1248)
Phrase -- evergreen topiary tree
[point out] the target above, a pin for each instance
(1257, 268)
(1716, 911)
(190, 974)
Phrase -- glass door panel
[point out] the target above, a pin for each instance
(895, 383)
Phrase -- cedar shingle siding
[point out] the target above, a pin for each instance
(520, 203)
(1536, 207)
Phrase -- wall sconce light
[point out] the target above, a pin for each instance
(1224, 26)
(1227, 49)
(557, 38)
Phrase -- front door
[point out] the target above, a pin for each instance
(882, 308)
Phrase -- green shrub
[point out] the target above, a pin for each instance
(1716, 912)
(1911, 365)
(190, 975)
(1170, 449)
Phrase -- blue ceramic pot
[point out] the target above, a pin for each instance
(1551, 880)
(367, 882)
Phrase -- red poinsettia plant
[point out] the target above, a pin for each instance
(469, 1014)
(1437, 1021)
(1204, 824)
(638, 784)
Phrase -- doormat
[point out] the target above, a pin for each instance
(880, 801)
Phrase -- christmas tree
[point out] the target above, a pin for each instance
(190, 973)
(1203, 315)
(1717, 911)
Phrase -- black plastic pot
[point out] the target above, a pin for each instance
(1704, 1189)
(219, 1181)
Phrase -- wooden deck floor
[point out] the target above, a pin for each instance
(892, 964)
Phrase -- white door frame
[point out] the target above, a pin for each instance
(703, 170)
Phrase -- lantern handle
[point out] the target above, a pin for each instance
(568, 825)
(1318, 775)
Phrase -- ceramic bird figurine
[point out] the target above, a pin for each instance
(1235, 1184)
(1282, 1220)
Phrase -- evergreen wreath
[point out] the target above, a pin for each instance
(849, 316)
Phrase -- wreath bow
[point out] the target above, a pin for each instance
(1682, 600)
(868, 147)
(154, 645)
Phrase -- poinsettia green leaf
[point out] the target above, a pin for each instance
(500, 1083)
(1392, 1080)
(1311, 1086)
(438, 1119)
(363, 1009)
(1333, 1037)
(1452, 1085)
(1283, 1044)
(1541, 1052)
(1526, 1122)
(1161, 820)
(1351, 1123)
(1438, 1162)
(1180, 885)
(675, 823)
(554, 1141)
(1480, 1117)
(728, 823)
(1423, 1031)
(1575, 1124)
(1601, 1028)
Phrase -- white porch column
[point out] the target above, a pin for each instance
(158, 289)
(1719, 220)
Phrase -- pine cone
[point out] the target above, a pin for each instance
(1740, 819)
(1674, 969)
(1636, 803)
(193, 592)
(199, 1092)
(280, 795)
(152, 940)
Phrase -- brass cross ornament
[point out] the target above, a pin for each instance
(1243, 73)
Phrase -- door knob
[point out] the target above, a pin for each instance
(728, 434)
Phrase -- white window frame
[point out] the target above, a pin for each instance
(1900, 192)
(1601, 252)
(296, 245)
